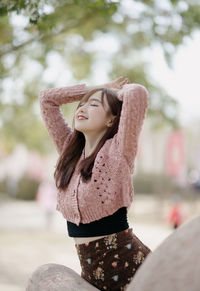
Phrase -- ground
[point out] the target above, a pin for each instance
(26, 242)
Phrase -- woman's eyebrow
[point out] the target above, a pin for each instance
(94, 99)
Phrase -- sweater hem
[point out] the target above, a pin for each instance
(90, 215)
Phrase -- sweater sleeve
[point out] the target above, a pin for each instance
(50, 101)
(135, 102)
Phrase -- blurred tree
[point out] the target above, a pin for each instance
(32, 31)
(28, 8)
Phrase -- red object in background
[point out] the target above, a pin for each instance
(175, 216)
(175, 153)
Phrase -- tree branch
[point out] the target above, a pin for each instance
(46, 35)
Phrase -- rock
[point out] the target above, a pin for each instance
(54, 277)
(174, 265)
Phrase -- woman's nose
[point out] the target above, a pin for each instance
(82, 110)
(83, 107)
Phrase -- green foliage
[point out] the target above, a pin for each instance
(23, 126)
(66, 28)
(3, 186)
(29, 8)
(81, 63)
(155, 183)
(27, 189)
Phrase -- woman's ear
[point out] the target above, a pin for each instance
(110, 122)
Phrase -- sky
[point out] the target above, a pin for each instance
(183, 80)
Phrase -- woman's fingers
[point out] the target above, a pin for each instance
(126, 81)
(120, 82)
(120, 78)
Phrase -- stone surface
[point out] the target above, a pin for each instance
(55, 277)
(174, 265)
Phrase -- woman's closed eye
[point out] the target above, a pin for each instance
(90, 104)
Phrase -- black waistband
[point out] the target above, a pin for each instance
(104, 226)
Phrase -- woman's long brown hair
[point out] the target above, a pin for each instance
(68, 159)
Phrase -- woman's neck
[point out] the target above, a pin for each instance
(87, 153)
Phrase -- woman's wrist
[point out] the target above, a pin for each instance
(89, 88)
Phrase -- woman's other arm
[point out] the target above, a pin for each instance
(135, 103)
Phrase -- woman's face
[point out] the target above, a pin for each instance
(97, 115)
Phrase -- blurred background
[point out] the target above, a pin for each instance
(46, 44)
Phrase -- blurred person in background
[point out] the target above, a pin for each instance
(46, 197)
(175, 216)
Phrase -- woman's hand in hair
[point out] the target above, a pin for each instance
(118, 83)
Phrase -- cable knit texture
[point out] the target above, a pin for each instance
(110, 187)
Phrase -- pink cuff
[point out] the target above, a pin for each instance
(121, 92)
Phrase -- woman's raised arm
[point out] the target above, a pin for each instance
(50, 101)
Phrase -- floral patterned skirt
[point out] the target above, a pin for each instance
(109, 263)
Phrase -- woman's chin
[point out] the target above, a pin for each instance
(79, 128)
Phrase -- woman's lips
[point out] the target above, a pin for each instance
(82, 117)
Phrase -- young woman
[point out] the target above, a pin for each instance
(94, 175)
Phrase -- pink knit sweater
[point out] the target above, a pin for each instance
(111, 185)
